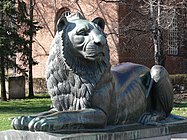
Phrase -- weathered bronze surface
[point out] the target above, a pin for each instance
(86, 92)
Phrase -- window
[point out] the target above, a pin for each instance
(61, 12)
(185, 39)
(66, 13)
(185, 25)
(173, 40)
(185, 65)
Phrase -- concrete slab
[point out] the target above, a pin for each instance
(167, 131)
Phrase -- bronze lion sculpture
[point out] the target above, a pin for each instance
(86, 92)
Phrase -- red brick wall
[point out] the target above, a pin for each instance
(136, 44)
(175, 64)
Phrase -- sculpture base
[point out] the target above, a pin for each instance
(165, 131)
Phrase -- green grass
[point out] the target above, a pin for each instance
(14, 108)
(180, 109)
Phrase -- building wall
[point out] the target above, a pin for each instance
(136, 42)
(177, 45)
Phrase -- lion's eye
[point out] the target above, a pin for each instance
(82, 31)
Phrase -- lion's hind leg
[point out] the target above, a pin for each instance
(162, 90)
(151, 118)
(160, 100)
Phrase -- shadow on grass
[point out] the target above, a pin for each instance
(28, 106)
(20, 110)
(181, 105)
(38, 96)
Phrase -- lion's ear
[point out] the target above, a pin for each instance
(61, 23)
(100, 22)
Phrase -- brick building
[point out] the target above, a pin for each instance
(136, 42)
(123, 26)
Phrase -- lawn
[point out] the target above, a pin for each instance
(180, 109)
(14, 108)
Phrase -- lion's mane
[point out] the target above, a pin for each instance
(71, 80)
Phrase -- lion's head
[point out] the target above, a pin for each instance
(85, 39)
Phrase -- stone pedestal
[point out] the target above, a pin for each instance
(167, 131)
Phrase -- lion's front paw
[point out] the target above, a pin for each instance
(47, 124)
(21, 122)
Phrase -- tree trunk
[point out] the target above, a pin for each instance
(158, 44)
(157, 33)
(31, 93)
(3, 87)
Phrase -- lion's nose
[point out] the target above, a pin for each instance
(99, 40)
(97, 43)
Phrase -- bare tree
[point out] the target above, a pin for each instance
(147, 18)
(162, 14)
(155, 12)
